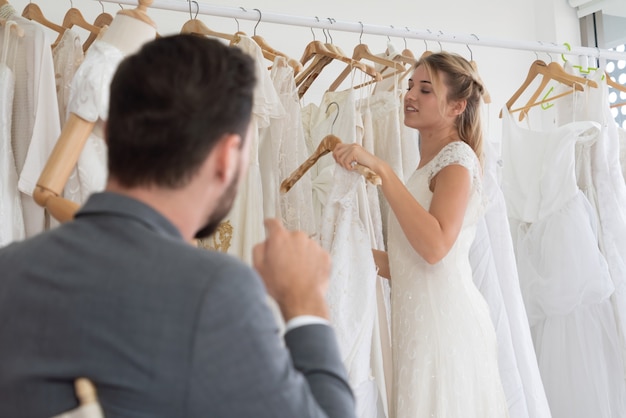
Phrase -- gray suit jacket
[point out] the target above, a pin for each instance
(162, 329)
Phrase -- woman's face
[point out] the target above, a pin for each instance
(421, 104)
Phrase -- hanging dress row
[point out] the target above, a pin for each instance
(557, 185)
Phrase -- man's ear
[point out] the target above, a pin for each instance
(227, 157)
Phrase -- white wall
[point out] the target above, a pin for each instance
(502, 70)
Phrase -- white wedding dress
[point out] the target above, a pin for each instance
(443, 340)
(564, 278)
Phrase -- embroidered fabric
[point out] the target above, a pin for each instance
(351, 292)
(443, 341)
(89, 99)
(287, 149)
(67, 57)
(246, 216)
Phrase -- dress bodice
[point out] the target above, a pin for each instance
(543, 179)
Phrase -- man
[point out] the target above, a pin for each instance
(120, 296)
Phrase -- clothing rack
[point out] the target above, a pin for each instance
(331, 24)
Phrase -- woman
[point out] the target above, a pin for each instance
(443, 341)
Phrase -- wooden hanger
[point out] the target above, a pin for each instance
(552, 71)
(197, 27)
(270, 54)
(328, 144)
(614, 84)
(323, 54)
(102, 20)
(404, 58)
(361, 52)
(34, 13)
(73, 17)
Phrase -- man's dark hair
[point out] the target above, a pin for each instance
(169, 105)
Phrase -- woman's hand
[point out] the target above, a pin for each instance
(348, 155)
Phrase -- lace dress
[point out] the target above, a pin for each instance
(351, 292)
(89, 99)
(443, 340)
(246, 215)
(285, 144)
(67, 56)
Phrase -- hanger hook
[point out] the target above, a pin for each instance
(569, 48)
(471, 53)
(257, 22)
(336, 115)
(330, 19)
(101, 5)
(318, 21)
(197, 8)
(388, 38)
(361, 34)
(71, 4)
(440, 47)
(404, 38)
(237, 20)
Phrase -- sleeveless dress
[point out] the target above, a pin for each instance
(443, 341)
(564, 277)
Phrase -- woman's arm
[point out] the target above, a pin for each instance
(431, 232)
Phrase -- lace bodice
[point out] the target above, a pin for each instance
(456, 153)
(89, 96)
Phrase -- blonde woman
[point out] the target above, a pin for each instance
(443, 340)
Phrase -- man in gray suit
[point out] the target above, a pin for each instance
(121, 296)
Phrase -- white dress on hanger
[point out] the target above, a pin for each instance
(351, 292)
(443, 340)
(502, 255)
(337, 115)
(386, 107)
(563, 276)
(283, 149)
(246, 215)
(35, 126)
(67, 56)
(598, 174)
(381, 339)
(343, 207)
(11, 220)
(89, 99)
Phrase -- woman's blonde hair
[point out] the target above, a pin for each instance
(463, 83)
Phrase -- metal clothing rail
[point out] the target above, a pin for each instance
(331, 24)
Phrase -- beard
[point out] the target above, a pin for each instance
(223, 208)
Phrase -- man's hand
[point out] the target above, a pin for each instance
(295, 270)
